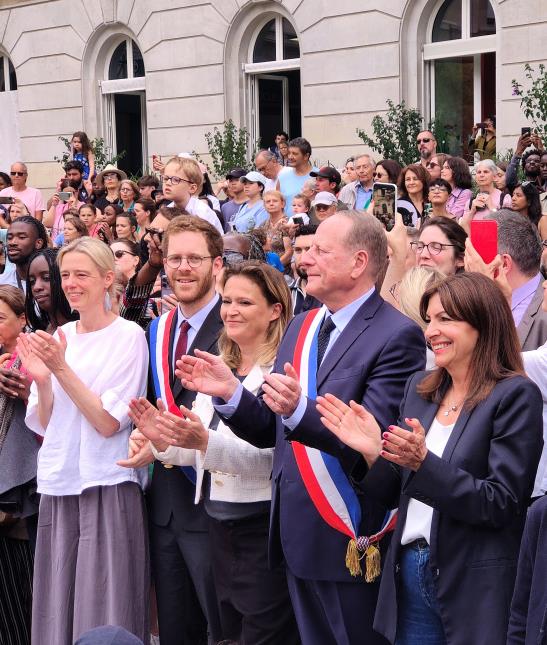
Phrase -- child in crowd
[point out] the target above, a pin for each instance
(82, 152)
(300, 207)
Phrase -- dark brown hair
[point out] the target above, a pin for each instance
(14, 298)
(422, 175)
(478, 301)
(184, 223)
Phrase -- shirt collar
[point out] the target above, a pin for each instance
(197, 320)
(342, 317)
(526, 290)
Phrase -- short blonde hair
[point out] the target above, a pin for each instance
(275, 193)
(412, 288)
(190, 168)
(133, 186)
(96, 250)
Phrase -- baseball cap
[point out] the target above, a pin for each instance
(327, 199)
(254, 177)
(236, 173)
(328, 172)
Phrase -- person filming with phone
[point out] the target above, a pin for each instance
(483, 139)
(63, 200)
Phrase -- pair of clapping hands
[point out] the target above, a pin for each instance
(208, 374)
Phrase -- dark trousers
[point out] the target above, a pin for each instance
(334, 613)
(255, 607)
(185, 591)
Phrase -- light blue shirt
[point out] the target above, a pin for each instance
(195, 322)
(522, 297)
(249, 217)
(341, 319)
(362, 197)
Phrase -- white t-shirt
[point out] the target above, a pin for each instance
(200, 209)
(419, 515)
(535, 364)
(113, 363)
(31, 198)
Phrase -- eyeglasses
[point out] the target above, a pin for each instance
(16, 173)
(424, 140)
(175, 180)
(432, 164)
(126, 189)
(433, 248)
(232, 258)
(154, 232)
(544, 243)
(437, 189)
(119, 254)
(193, 261)
(263, 168)
(110, 175)
(377, 174)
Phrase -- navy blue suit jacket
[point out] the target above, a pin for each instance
(370, 362)
(479, 490)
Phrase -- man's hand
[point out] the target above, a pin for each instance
(139, 452)
(523, 142)
(206, 373)
(282, 392)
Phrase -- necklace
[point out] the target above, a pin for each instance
(451, 407)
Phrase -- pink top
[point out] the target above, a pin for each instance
(31, 198)
(495, 200)
(59, 220)
(458, 202)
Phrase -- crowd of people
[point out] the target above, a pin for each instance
(253, 413)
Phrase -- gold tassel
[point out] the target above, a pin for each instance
(353, 560)
(373, 566)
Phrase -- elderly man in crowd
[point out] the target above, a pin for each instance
(358, 194)
(267, 163)
(31, 197)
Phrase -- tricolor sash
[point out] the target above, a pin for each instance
(324, 478)
(160, 333)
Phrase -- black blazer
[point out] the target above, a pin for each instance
(479, 490)
(171, 493)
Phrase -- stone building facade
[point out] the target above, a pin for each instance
(152, 76)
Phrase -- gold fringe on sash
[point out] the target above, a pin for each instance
(373, 566)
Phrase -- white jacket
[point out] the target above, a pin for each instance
(239, 471)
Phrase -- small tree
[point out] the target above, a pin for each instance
(103, 155)
(395, 133)
(228, 147)
(533, 100)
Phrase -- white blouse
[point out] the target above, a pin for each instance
(419, 515)
(113, 363)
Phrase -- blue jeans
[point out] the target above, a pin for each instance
(418, 617)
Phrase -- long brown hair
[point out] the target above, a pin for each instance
(477, 300)
(274, 288)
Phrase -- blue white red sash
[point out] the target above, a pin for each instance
(160, 333)
(324, 478)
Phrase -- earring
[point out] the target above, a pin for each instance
(107, 301)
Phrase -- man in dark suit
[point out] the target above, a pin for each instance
(368, 353)
(179, 545)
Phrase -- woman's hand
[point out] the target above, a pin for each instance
(480, 202)
(144, 415)
(206, 373)
(55, 200)
(353, 425)
(13, 383)
(107, 231)
(48, 349)
(31, 361)
(186, 432)
(404, 448)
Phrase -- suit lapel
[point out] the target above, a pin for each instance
(531, 311)
(205, 339)
(356, 326)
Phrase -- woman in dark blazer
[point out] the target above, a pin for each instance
(461, 477)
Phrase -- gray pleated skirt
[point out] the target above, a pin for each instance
(91, 564)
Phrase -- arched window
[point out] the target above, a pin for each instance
(123, 90)
(273, 81)
(461, 68)
(8, 78)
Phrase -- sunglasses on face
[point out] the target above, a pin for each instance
(119, 254)
(432, 164)
(16, 173)
(424, 140)
(377, 174)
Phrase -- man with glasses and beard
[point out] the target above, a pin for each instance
(427, 147)
(31, 197)
(179, 540)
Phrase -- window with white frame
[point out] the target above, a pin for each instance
(273, 81)
(8, 78)
(460, 64)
